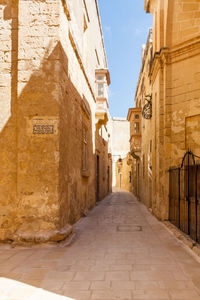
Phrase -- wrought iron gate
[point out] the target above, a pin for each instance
(184, 196)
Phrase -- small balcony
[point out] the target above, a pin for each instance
(102, 82)
(135, 145)
(134, 117)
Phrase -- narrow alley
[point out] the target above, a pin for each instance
(120, 251)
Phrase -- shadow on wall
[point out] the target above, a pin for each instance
(8, 134)
(42, 187)
(103, 167)
(41, 182)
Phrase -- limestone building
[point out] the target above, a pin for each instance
(134, 117)
(120, 148)
(53, 92)
(168, 94)
(141, 130)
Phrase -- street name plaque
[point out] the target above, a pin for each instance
(43, 126)
(43, 129)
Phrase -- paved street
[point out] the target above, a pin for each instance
(120, 252)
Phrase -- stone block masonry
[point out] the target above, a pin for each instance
(42, 84)
(104, 263)
(172, 79)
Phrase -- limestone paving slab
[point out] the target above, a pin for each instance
(120, 251)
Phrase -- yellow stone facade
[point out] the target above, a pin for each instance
(135, 119)
(120, 147)
(124, 173)
(170, 75)
(51, 55)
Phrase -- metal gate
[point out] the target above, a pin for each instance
(184, 196)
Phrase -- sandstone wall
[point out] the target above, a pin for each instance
(142, 143)
(124, 175)
(105, 167)
(174, 22)
(175, 92)
(119, 141)
(32, 59)
(49, 53)
(8, 92)
(183, 21)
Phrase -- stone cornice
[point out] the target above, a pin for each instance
(100, 27)
(177, 53)
(159, 59)
(133, 136)
(146, 5)
(86, 10)
(66, 9)
(104, 71)
(78, 56)
(185, 50)
(133, 110)
(144, 61)
(75, 46)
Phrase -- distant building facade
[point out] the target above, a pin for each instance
(120, 148)
(135, 119)
(168, 94)
(53, 89)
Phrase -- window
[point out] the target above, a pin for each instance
(130, 177)
(104, 166)
(137, 116)
(85, 150)
(101, 83)
(137, 127)
(100, 78)
(143, 165)
(100, 90)
(150, 146)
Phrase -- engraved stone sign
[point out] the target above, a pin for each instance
(43, 126)
(43, 129)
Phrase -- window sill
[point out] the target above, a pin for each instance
(85, 173)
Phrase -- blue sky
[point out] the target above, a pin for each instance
(125, 27)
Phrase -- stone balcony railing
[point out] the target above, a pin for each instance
(102, 82)
(101, 113)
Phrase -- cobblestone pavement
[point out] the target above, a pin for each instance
(120, 252)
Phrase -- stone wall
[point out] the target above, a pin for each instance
(8, 92)
(141, 143)
(124, 174)
(119, 141)
(105, 168)
(174, 77)
(47, 88)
